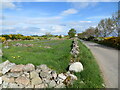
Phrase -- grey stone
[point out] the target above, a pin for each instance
(29, 67)
(7, 67)
(43, 67)
(17, 68)
(34, 74)
(36, 81)
(76, 67)
(9, 80)
(4, 64)
(22, 80)
(62, 76)
(52, 84)
(14, 74)
(59, 80)
(43, 74)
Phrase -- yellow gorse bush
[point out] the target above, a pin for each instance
(106, 38)
(2, 39)
(114, 41)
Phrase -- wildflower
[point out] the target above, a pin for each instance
(13, 57)
(18, 56)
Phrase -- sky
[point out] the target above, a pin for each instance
(38, 18)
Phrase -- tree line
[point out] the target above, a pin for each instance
(106, 27)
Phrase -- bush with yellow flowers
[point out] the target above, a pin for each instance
(112, 41)
(2, 39)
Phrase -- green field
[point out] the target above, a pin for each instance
(57, 57)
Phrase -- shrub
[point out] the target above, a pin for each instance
(2, 39)
(111, 41)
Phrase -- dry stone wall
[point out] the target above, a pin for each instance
(75, 65)
(29, 76)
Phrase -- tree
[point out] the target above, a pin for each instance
(72, 33)
(97, 32)
(101, 27)
(106, 26)
(90, 31)
(116, 19)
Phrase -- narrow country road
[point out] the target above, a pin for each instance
(107, 59)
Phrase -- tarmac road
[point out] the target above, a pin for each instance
(107, 59)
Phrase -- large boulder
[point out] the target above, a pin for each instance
(76, 67)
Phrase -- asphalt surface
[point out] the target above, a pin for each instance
(107, 59)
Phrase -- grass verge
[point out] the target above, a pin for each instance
(90, 77)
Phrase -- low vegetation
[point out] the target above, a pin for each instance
(90, 77)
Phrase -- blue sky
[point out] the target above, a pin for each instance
(31, 18)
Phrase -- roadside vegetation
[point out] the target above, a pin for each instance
(90, 77)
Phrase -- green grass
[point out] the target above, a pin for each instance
(90, 76)
(57, 57)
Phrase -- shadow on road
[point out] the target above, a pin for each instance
(102, 46)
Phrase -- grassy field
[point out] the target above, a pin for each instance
(56, 57)
(90, 77)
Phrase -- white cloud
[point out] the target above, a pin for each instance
(85, 21)
(9, 5)
(57, 29)
(30, 20)
(69, 11)
(80, 5)
(98, 17)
